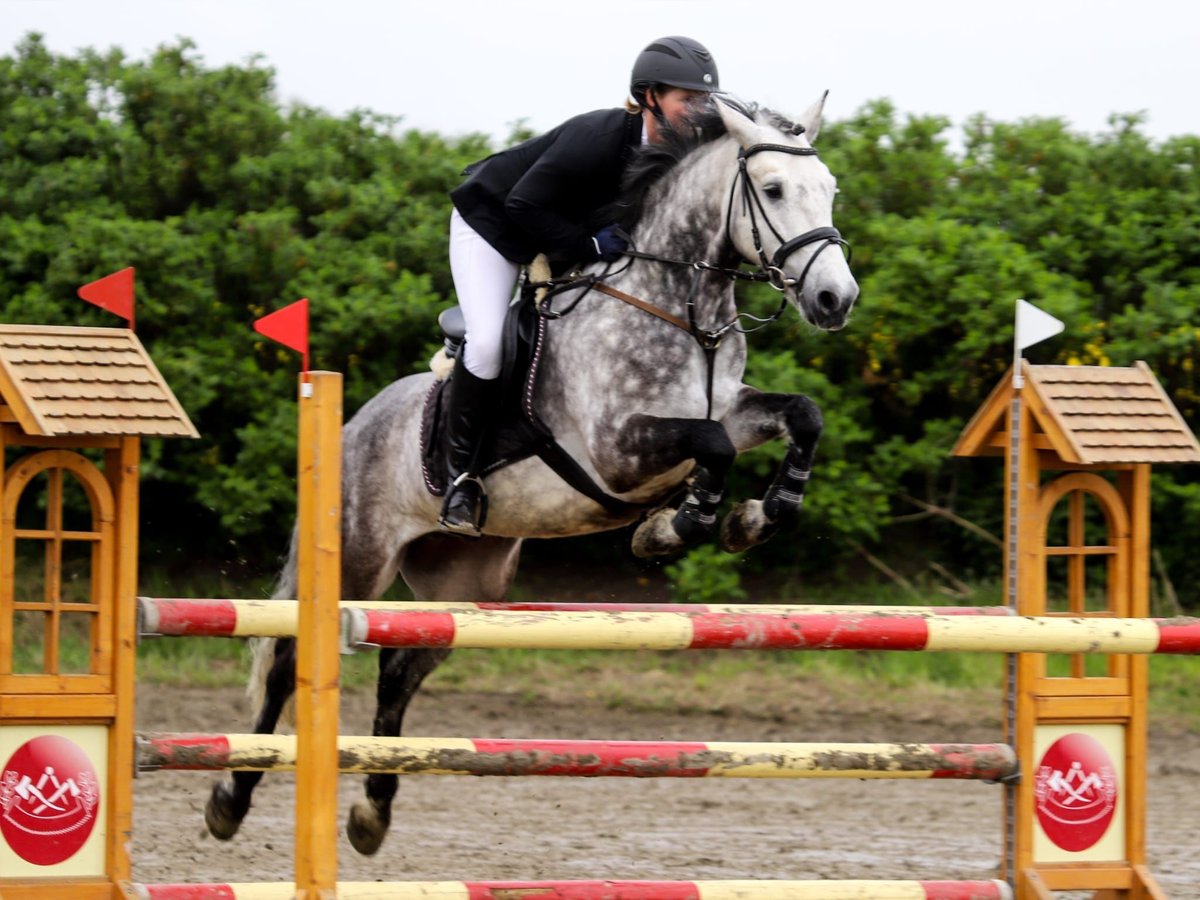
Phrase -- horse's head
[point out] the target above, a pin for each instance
(781, 213)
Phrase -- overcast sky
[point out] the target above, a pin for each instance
(457, 66)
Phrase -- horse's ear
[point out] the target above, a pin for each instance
(811, 120)
(738, 120)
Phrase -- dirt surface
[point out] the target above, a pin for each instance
(619, 828)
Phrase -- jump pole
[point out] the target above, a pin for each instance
(603, 890)
(585, 759)
(211, 617)
(319, 525)
(489, 629)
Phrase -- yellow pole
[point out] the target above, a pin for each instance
(122, 469)
(1135, 487)
(319, 590)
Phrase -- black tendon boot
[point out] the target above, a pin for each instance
(469, 413)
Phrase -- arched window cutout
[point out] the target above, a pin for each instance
(56, 570)
(1084, 529)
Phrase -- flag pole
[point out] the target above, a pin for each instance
(1031, 326)
(1012, 552)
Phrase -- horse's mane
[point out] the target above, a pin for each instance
(653, 161)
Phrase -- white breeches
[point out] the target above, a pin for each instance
(484, 281)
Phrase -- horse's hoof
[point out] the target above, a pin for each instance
(656, 535)
(365, 829)
(746, 526)
(222, 814)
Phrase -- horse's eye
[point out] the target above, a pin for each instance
(773, 191)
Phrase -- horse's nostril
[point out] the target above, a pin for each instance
(828, 301)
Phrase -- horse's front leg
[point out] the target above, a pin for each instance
(648, 446)
(756, 419)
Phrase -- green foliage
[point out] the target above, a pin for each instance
(1098, 230)
(706, 575)
(231, 205)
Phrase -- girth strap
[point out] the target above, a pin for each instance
(552, 454)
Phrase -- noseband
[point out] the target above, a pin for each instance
(826, 236)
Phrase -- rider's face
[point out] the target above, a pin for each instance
(679, 103)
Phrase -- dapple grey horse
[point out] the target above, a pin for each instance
(642, 385)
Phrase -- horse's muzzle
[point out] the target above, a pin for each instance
(825, 299)
(828, 306)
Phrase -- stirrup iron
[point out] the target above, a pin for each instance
(472, 526)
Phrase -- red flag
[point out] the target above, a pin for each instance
(288, 326)
(112, 292)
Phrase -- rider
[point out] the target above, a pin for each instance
(538, 197)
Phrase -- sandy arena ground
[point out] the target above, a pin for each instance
(452, 828)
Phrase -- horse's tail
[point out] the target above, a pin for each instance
(263, 649)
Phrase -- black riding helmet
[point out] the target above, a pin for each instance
(677, 61)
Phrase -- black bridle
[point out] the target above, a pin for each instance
(827, 236)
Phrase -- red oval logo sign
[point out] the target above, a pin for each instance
(49, 796)
(1076, 792)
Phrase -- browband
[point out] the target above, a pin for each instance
(781, 148)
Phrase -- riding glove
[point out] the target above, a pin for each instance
(607, 244)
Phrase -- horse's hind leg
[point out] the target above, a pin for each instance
(436, 567)
(229, 802)
(401, 672)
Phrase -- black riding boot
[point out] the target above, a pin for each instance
(469, 414)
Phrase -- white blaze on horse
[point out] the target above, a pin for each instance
(639, 379)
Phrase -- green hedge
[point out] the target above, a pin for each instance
(231, 205)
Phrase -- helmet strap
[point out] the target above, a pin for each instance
(656, 109)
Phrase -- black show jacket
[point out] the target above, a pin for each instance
(541, 196)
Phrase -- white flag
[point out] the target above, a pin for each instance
(1034, 326)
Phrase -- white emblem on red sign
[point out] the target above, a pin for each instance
(49, 796)
(1076, 792)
